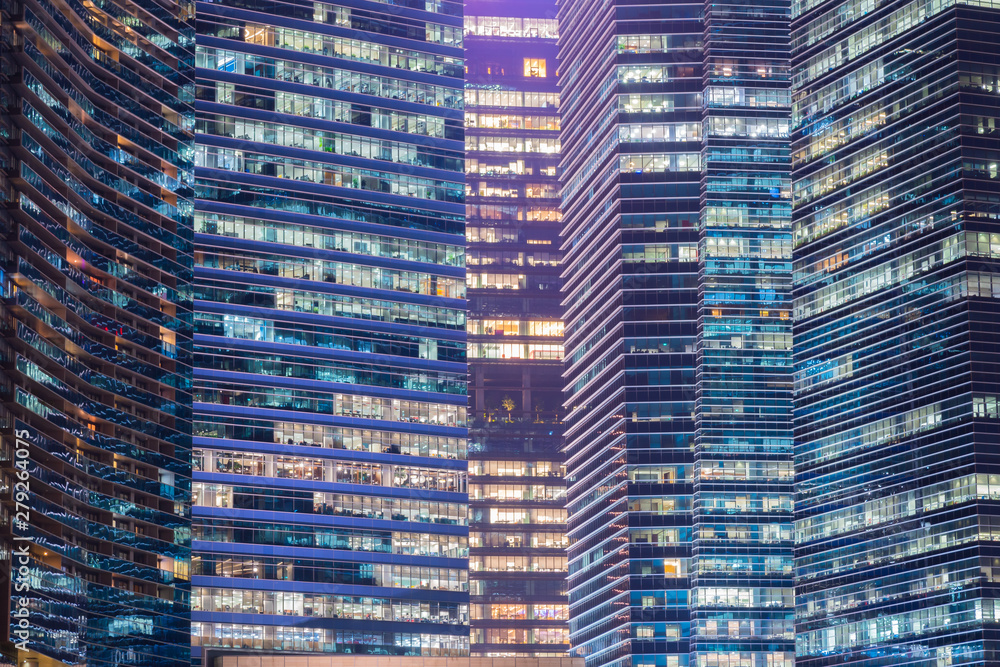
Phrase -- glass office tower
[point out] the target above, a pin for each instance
(897, 235)
(330, 385)
(517, 557)
(677, 236)
(96, 123)
(742, 606)
(632, 115)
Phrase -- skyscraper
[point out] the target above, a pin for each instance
(517, 492)
(97, 125)
(631, 108)
(742, 606)
(678, 332)
(897, 235)
(330, 385)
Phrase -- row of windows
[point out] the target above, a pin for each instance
(287, 603)
(304, 236)
(475, 142)
(751, 248)
(739, 96)
(661, 505)
(517, 612)
(476, 234)
(513, 167)
(645, 163)
(746, 470)
(325, 571)
(757, 566)
(501, 515)
(332, 471)
(354, 340)
(742, 504)
(311, 171)
(333, 305)
(335, 504)
(344, 539)
(928, 498)
(516, 492)
(503, 121)
(658, 102)
(660, 252)
(767, 533)
(518, 540)
(823, 140)
(547, 328)
(539, 351)
(330, 437)
(952, 617)
(488, 257)
(372, 277)
(333, 78)
(839, 174)
(314, 640)
(777, 628)
(289, 198)
(518, 564)
(509, 98)
(294, 136)
(884, 276)
(705, 596)
(657, 132)
(657, 43)
(496, 281)
(530, 190)
(735, 126)
(340, 405)
(302, 41)
(874, 552)
(311, 106)
(511, 26)
(743, 659)
(655, 73)
(520, 636)
(855, 438)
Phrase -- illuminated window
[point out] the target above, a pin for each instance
(508, 611)
(534, 67)
(259, 34)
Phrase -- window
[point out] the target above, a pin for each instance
(534, 67)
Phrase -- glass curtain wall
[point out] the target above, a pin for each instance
(96, 121)
(742, 607)
(897, 243)
(631, 153)
(330, 484)
(517, 492)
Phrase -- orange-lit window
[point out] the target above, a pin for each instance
(259, 34)
(534, 67)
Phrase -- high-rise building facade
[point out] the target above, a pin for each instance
(897, 243)
(677, 234)
(742, 586)
(631, 109)
(97, 131)
(517, 557)
(330, 385)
